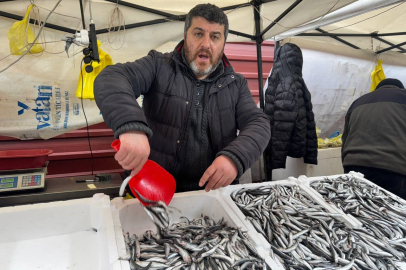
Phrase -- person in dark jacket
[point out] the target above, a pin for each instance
(375, 134)
(290, 111)
(194, 104)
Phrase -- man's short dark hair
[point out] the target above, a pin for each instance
(209, 12)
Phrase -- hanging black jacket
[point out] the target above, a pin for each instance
(289, 109)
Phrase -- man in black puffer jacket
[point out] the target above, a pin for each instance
(193, 105)
(289, 108)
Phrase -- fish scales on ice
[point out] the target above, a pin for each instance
(196, 244)
(304, 235)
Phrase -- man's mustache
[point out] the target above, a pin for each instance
(208, 53)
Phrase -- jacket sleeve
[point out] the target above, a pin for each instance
(285, 114)
(345, 135)
(117, 87)
(254, 128)
(310, 156)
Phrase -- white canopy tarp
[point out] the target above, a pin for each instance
(55, 75)
(362, 17)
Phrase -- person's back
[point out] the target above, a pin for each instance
(375, 134)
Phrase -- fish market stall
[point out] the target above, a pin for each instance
(329, 222)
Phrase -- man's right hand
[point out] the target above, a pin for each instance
(134, 151)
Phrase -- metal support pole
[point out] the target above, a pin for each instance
(259, 40)
(260, 77)
(390, 43)
(275, 48)
(139, 7)
(337, 38)
(47, 25)
(391, 47)
(289, 9)
(267, 153)
(82, 13)
(352, 35)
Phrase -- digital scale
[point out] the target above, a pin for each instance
(22, 179)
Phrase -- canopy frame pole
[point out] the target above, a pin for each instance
(135, 6)
(352, 35)
(337, 38)
(374, 35)
(391, 47)
(258, 40)
(241, 34)
(280, 17)
(82, 14)
(401, 50)
(48, 25)
(165, 14)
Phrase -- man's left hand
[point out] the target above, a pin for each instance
(221, 173)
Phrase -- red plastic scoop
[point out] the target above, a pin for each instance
(153, 182)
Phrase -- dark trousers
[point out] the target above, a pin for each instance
(391, 181)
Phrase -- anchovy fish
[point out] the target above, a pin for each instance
(304, 235)
(383, 215)
(196, 244)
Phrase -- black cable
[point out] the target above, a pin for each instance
(87, 124)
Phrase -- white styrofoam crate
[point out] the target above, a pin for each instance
(128, 216)
(291, 181)
(359, 176)
(306, 181)
(329, 162)
(58, 235)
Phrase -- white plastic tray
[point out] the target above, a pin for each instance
(359, 176)
(128, 216)
(291, 181)
(58, 235)
(306, 181)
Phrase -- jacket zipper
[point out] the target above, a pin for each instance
(184, 130)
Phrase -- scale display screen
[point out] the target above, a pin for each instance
(7, 180)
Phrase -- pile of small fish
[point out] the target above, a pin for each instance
(190, 244)
(382, 214)
(303, 235)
